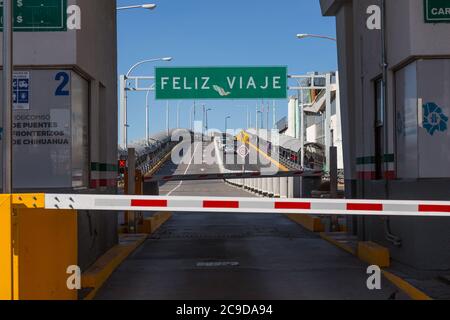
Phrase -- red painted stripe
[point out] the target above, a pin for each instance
(256, 174)
(96, 183)
(148, 203)
(221, 204)
(372, 175)
(293, 205)
(433, 208)
(364, 206)
(390, 175)
(367, 175)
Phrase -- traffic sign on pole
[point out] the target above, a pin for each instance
(221, 83)
(38, 15)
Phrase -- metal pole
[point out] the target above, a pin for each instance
(256, 123)
(203, 123)
(123, 111)
(302, 129)
(167, 118)
(193, 125)
(274, 120)
(131, 186)
(297, 117)
(248, 123)
(178, 115)
(262, 114)
(190, 118)
(7, 94)
(384, 65)
(147, 112)
(328, 121)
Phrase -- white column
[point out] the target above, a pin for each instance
(283, 187)
(264, 186)
(276, 187)
(290, 187)
(270, 187)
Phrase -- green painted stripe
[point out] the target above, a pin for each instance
(365, 160)
(371, 160)
(104, 167)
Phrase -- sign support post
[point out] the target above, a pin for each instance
(7, 94)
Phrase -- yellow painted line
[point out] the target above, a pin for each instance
(102, 269)
(276, 163)
(401, 284)
(406, 287)
(158, 165)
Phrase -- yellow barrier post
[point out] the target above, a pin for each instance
(6, 264)
(36, 248)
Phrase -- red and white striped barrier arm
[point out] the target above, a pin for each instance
(231, 176)
(248, 205)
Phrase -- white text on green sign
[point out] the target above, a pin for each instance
(221, 83)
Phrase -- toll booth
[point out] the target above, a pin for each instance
(65, 116)
(400, 149)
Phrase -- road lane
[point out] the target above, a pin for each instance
(236, 256)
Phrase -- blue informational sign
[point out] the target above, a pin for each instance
(21, 90)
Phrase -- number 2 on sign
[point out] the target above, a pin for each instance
(64, 78)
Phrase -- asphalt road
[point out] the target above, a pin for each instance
(236, 256)
(195, 165)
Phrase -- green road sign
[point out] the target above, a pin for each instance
(437, 11)
(221, 83)
(38, 15)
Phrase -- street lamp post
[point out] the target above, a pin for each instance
(149, 6)
(147, 114)
(206, 120)
(7, 94)
(123, 98)
(307, 35)
(226, 128)
(226, 123)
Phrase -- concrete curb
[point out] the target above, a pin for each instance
(403, 285)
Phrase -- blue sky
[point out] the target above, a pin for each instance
(219, 33)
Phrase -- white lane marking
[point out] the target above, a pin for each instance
(187, 169)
